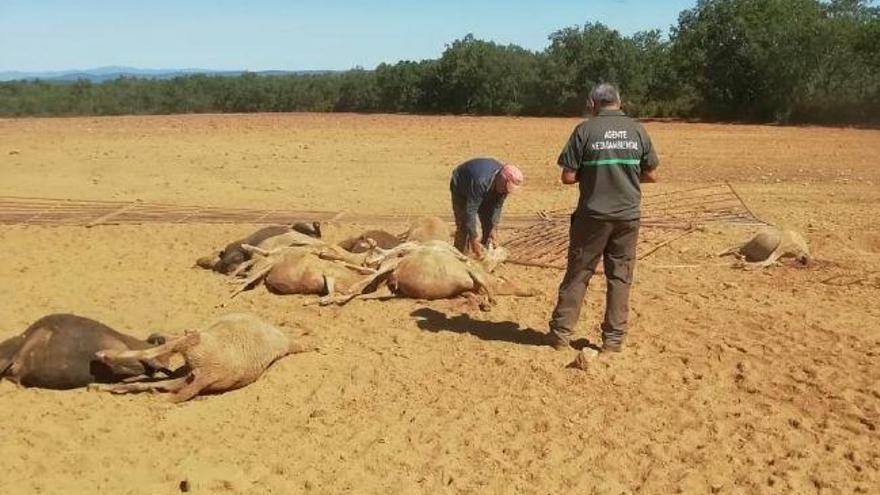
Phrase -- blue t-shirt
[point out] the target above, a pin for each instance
(473, 184)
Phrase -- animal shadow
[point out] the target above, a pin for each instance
(432, 320)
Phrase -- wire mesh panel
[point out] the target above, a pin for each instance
(48, 211)
(538, 242)
(665, 218)
(699, 205)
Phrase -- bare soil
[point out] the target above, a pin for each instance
(732, 381)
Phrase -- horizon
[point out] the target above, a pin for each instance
(274, 35)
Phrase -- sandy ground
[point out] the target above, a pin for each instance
(733, 382)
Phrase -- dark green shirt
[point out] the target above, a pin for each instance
(609, 152)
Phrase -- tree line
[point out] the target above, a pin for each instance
(747, 60)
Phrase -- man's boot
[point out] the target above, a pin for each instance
(557, 341)
(612, 340)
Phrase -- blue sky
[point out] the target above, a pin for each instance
(274, 34)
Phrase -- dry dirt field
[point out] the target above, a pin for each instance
(732, 382)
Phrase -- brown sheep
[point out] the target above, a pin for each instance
(234, 255)
(229, 353)
(302, 271)
(432, 270)
(271, 251)
(58, 352)
(426, 229)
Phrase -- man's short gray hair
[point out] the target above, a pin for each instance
(605, 95)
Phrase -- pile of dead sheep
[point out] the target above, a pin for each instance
(65, 351)
(418, 263)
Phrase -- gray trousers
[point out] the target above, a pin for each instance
(589, 240)
(462, 234)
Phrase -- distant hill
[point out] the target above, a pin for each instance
(101, 74)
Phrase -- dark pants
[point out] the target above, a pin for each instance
(590, 239)
(462, 232)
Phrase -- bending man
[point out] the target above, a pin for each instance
(479, 188)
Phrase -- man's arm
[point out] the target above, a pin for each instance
(472, 209)
(571, 156)
(650, 161)
(490, 218)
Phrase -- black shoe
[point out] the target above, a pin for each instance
(557, 342)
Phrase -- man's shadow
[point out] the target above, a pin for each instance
(432, 320)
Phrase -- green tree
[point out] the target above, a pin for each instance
(748, 59)
(475, 76)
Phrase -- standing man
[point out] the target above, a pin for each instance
(479, 188)
(608, 156)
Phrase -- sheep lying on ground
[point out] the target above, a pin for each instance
(431, 270)
(274, 250)
(234, 255)
(426, 229)
(363, 242)
(298, 273)
(58, 352)
(770, 245)
(302, 271)
(229, 353)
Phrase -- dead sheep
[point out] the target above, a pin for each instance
(228, 353)
(234, 255)
(769, 246)
(363, 242)
(302, 271)
(433, 270)
(58, 352)
(426, 229)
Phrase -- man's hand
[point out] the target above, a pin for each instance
(476, 248)
(648, 176)
(489, 241)
(568, 176)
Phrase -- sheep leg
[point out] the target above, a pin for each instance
(190, 388)
(384, 292)
(481, 285)
(266, 253)
(242, 267)
(358, 289)
(352, 261)
(330, 287)
(305, 240)
(732, 249)
(384, 269)
(395, 252)
(335, 253)
(125, 388)
(774, 256)
(153, 353)
(250, 281)
(360, 269)
(254, 249)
